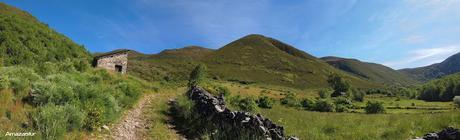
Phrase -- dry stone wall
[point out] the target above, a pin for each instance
(213, 106)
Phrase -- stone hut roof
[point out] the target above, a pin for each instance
(97, 56)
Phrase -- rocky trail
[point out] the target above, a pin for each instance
(133, 125)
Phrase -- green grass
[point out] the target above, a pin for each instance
(316, 125)
(26, 41)
(394, 124)
(251, 59)
(372, 71)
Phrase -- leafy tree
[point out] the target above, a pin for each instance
(197, 76)
(374, 107)
(338, 84)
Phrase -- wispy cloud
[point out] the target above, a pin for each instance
(423, 57)
(414, 39)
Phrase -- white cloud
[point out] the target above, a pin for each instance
(423, 57)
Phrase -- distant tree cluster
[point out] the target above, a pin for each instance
(444, 89)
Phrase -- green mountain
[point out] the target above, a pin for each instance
(449, 66)
(251, 59)
(26, 41)
(371, 71)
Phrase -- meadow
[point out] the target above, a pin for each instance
(403, 118)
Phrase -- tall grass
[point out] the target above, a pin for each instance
(323, 126)
(73, 98)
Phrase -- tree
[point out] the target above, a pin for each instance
(374, 107)
(338, 84)
(197, 76)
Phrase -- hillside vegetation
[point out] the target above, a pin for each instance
(371, 71)
(251, 59)
(26, 41)
(47, 86)
(443, 89)
(449, 66)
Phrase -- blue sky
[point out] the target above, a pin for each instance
(399, 34)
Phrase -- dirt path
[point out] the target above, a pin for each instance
(132, 126)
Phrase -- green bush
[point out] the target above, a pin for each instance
(223, 91)
(374, 107)
(342, 101)
(290, 100)
(265, 102)
(324, 105)
(75, 118)
(457, 100)
(308, 104)
(51, 121)
(323, 94)
(247, 104)
(94, 116)
(358, 96)
(197, 76)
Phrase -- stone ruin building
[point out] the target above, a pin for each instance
(114, 61)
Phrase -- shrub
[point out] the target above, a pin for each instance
(94, 116)
(358, 96)
(342, 101)
(81, 65)
(75, 118)
(289, 100)
(247, 104)
(324, 105)
(323, 94)
(457, 100)
(184, 106)
(51, 121)
(265, 102)
(223, 91)
(308, 104)
(374, 107)
(197, 76)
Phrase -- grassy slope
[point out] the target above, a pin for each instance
(38, 60)
(374, 72)
(253, 58)
(25, 40)
(449, 66)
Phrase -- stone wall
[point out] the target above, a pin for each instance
(214, 107)
(112, 61)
